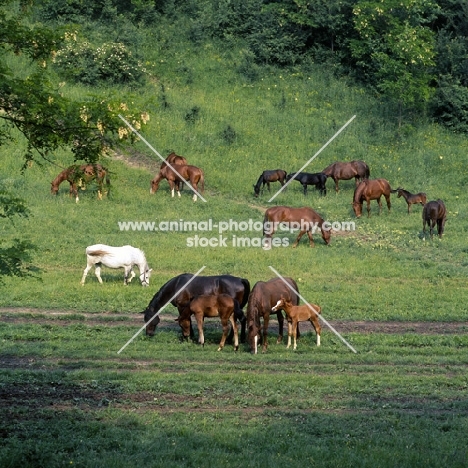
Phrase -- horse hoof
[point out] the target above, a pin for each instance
(219, 349)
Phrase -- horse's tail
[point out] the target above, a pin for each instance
(245, 297)
(202, 181)
(366, 172)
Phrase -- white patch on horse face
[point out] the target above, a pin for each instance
(255, 344)
(318, 340)
(276, 306)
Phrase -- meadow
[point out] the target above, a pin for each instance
(67, 397)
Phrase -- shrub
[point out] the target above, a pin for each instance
(112, 63)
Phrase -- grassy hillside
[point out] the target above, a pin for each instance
(68, 398)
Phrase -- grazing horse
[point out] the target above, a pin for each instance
(222, 306)
(186, 172)
(117, 257)
(263, 297)
(299, 313)
(371, 190)
(179, 293)
(411, 199)
(269, 176)
(347, 170)
(305, 219)
(434, 212)
(78, 176)
(173, 159)
(319, 179)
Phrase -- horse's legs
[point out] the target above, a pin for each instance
(368, 208)
(304, 186)
(311, 240)
(201, 336)
(389, 204)
(97, 272)
(337, 189)
(266, 320)
(85, 273)
(280, 317)
(289, 334)
(268, 185)
(318, 329)
(379, 201)
(301, 233)
(236, 332)
(225, 323)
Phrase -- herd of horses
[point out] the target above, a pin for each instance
(225, 296)
(434, 212)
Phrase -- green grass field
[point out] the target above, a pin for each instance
(67, 397)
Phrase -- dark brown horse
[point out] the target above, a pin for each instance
(305, 219)
(171, 174)
(222, 306)
(371, 190)
(181, 289)
(264, 296)
(347, 170)
(79, 176)
(277, 175)
(299, 313)
(411, 199)
(173, 159)
(434, 212)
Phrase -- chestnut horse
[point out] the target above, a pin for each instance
(186, 172)
(305, 219)
(347, 170)
(263, 297)
(299, 313)
(411, 199)
(222, 306)
(434, 212)
(371, 190)
(269, 176)
(173, 159)
(78, 176)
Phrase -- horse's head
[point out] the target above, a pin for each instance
(53, 188)
(154, 186)
(256, 191)
(279, 305)
(151, 321)
(145, 276)
(253, 328)
(357, 207)
(326, 235)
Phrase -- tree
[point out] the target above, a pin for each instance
(396, 48)
(44, 116)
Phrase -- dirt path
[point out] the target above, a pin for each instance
(110, 319)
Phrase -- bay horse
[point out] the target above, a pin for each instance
(269, 176)
(264, 296)
(434, 212)
(305, 219)
(299, 313)
(173, 159)
(117, 257)
(319, 179)
(79, 176)
(371, 189)
(222, 306)
(180, 294)
(411, 199)
(347, 170)
(192, 173)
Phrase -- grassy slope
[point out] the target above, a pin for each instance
(400, 401)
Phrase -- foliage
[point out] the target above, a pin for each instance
(15, 255)
(111, 63)
(395, 49)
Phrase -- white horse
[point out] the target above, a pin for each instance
(117, 257)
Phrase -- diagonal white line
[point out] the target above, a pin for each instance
(161, 309)
(162, 159)
(312, 158)
(311, 308)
